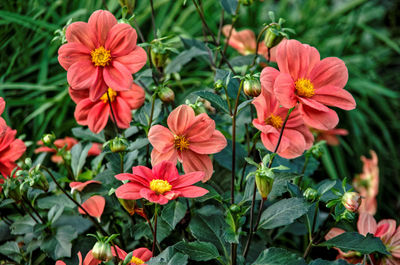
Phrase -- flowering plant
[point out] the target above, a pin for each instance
(159, 172)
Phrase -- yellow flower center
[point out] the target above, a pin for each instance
(275, 121)
(304, 88)
(136, 260)
(181, 143)
(112, 95)
(100, 56)
(160, 186)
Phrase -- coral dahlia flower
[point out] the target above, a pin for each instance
(101, 54)
(367, 183)
(139, 255)
(160, 184)
(95, 114)
(190, 139)
(313, 83)
(384, 229)
(331, 136)
(94, 206)
(68, 143)
(245, 42)
(296, 136)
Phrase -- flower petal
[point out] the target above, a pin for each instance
(192, 161)
(134, 97)
(121, 39)
(98, 117)
(79, 186)
(121, 253)
(192, 191)
(329, 71)
(71, 53)
(99, 87)
(165, 170)
(319, 119)
(129, 191)
(94, 206)
(213, 145)
(90, 260)
(267, 78)
(101, 21)
(243, 41)
(388, 232)
(78, 95)
(180, 119)
(335, 96)
(334, 232)
(82, 33)
(284, 90)
(117, 76)
(153, 197)
(296, 147)
(142, 253)
(201, 129)
(82, 74)
(366, 224)
(122, 112)
(187, 179)
(158, 157)
(82, 111)
(135, 60)
(161, 138)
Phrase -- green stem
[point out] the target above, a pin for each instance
(155, 229)
(114, 120)
(153, 99)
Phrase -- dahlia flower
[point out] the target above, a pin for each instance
(189, 138)
(94, 206)
(95, 114)
(330, 136)
(101, 54)
(160, 184)
(79, 186)
(139, 255)
(313, 83)
(296, 137)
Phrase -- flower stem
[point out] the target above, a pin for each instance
(252, 231)
(234, 19)
(153, 99)
(112, 114)
(257, 41)
(155, 229)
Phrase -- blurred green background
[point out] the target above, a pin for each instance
(365, 34)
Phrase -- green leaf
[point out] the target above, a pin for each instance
(88, 135)
(23, 226)
(214, 99)
(183, 58)
(60, 245)
(227, 78)
(278, 256)
(78, 157)
(10, 249)
(199, 251)
(54, 213)
(229, 5)
(356, 242)
(169, 257)
(328, 262)
(326, 186)
(173, 213)
(283, 212)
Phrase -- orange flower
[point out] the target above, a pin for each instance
(367, 183)
(94, 206)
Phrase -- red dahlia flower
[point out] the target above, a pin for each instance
(95, 114)
(68, 142)
(270, 117)
(139, 255)
(190, 139)
(101, 54)
(160, 184)
(315, 84)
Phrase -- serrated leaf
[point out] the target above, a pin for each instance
(198, 251)
(10, 249)
(283, 212)
(214, 99)
(354, 241)
(278, 256)
(173, 213)
(23, 226)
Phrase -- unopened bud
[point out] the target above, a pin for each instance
(102, 251)
(118, 144)
(129, 205)
(264, 184)
(252, 87)
(159, 56)
(351, 201)
(310, 194)
(48, 139)
(234, 208)
(12, 189)
(218, 85)
(273, 37)
(38, 180)
(166, 94)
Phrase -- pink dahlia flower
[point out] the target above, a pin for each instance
(68, 143)
(190, 139)
(79, 186)
(245, 42)
(313, 83)
(160, 184)
(94, 206)
(296, 137)
(367, 183)
(331, 136)
(95, 114)
(101, 54)
(385, 230)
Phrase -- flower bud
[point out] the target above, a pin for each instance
(12, 189)
(218, 85)
(159, 56)
(351, 201)
(310, 194)
(38, 180)
(48, 139)
(252, 87)
(129, 205)
(234, 208)
(166, 94)
(118, 144)
(264, 184)
(102, 251)
(273, 36)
